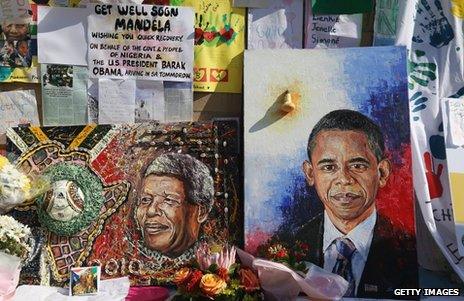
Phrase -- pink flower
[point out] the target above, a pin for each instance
(222, 256)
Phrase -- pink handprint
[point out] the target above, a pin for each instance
(433, 179)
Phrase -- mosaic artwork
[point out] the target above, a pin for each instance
(135, 200)
(328, 156)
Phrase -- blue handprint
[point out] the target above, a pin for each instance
(418, 103)
(433, 24)
(437, 144)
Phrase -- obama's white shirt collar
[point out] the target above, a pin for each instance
(361, 235)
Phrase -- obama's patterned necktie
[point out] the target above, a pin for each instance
(345, 250)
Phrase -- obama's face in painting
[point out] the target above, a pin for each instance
(346, 174)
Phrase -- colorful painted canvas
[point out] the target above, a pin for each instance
(328, 156)
(135, 200)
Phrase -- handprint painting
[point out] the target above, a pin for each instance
(136, 200)
(328, 162)
(435, 28)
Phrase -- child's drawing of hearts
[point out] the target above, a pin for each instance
(200, 74)
(219, 75)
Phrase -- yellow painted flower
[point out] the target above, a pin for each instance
(181, 276)
(216, 248)
(212, 285)
(458, 8)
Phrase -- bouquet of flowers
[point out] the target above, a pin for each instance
(216, 276)
(14, 249)
(14, 237)
(15, 187)
(291, 257)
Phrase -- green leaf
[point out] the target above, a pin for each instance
(233, 268)
(213, 268)
(248, 298)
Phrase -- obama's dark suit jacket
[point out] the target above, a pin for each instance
(391, 263)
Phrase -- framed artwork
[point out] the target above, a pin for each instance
(133, 199)
(328, 162)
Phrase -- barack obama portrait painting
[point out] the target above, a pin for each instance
(334, 174)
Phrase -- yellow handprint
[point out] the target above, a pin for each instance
(458, 8)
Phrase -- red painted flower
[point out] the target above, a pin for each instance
(281, 254)
(181, 276)
(193, 281)
(223, 274)
(304, 246)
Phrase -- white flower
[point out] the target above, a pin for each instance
(14, 187)
(15, 236)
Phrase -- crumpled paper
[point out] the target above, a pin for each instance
(9, 275)
(8, 283)
(281, 283)
(111, 289)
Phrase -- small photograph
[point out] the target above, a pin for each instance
(84, 281)
(15, 53)
(58, 76)
(142, 113)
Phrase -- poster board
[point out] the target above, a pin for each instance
(141, 42)
(288, 184)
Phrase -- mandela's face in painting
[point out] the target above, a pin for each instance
(14, 32)
(169, 222)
